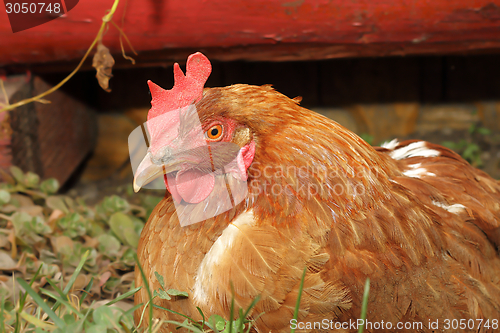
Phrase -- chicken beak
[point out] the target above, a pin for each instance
(147, 172)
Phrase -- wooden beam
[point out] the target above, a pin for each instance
(48, 139)
(263, 29)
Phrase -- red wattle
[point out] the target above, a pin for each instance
(192, 186)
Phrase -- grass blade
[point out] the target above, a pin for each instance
(202, 315)
(87, 290)
(62, 301)
(38, 300)
(131, 310)
(241, 321)
(37, 322)
(121, 297)
(76, 272)
(172, 311)
(22, 300)
(73, 278)
(297, 305)
(2, 311)
(231, 310)
(192, 328)
(57, 289)
(364, 306)
(146, 284)
(251, 306)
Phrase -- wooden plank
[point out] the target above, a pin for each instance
(49, 139)
(263, 29)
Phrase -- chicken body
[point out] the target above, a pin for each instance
(414, 217)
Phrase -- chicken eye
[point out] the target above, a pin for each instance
(214, 132)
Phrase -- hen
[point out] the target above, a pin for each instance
(260, 189)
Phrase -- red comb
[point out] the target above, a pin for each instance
(187, 89)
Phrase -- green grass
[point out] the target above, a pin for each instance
(467, 147)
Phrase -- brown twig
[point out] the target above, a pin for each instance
(128, 42)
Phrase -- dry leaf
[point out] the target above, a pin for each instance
(6, 177)
(104, 277)
(103, 62)
(12, 240)
(22, 199)
(90, 241)
(8, 208)
(55, 215)
(6, 262)
(81, 282)
(10, 288)
(33, 210)
(4, 240)
(58, 243)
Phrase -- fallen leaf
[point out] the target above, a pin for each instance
(4, 197)
(123, 227)
(22, 200)
(103, 62)
(33, 210)
(7, 178)
(17, 173)
(54, 216)
(11, 288)
(108, 245)
(81, 282)
(6, 262)
(12, 240)
(31, 179)
(90, 241)
(61, 242)
(104, 277)
(57, 202)
(4, 239)
(9, 208)
(49, 186)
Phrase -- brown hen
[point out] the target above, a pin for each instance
(414, 217)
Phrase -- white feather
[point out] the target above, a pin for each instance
(219, 249)
(455, 208)
(413, 149)
(390, 144)
(416, 171)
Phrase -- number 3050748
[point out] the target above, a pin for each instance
(32, 7)
(471, 324)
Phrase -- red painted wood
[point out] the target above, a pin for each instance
(343, 28)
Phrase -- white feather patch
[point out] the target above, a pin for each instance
(221, 247)
(390, 144)
(413, 149)
(416, 171)
(455, 208)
